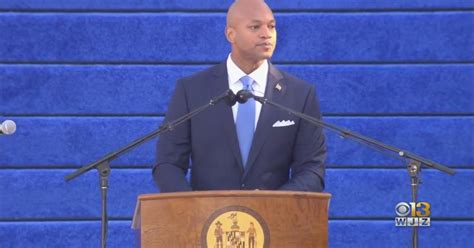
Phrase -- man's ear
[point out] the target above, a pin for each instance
(230, 34)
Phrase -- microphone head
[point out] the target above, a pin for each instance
(243, 96)
(230, 98)
(8, 127)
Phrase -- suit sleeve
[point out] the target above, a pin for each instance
(173, 148)
(309, 152)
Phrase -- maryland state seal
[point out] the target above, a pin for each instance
(235, 227)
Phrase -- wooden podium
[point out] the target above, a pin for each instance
(222, 219)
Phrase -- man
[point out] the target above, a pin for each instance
(248, 146)
(252, 234)
(219, 232)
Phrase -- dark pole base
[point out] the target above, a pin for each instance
(104, 172)
(414, 168)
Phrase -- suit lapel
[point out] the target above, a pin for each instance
(274, 91)
(224, 113)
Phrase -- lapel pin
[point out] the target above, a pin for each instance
(278, 87)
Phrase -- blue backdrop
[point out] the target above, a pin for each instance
(83, 78)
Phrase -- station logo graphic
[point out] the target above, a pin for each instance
(413, 214)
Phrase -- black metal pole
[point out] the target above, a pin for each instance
(104, 172)
(103, 164)
(414, 168)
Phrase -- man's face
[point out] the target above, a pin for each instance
(253, 36)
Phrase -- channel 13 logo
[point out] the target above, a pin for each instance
(413, 214)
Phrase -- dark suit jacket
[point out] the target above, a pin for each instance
(208, 143)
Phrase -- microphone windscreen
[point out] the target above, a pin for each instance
(230, 98)
(8, 127)
(243, 96)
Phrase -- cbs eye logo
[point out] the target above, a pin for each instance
(420, 209)
(413, 214)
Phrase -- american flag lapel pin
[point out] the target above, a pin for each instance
(278, 87)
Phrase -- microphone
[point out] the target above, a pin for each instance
(8, 127)
(229, 98)
(244, 95)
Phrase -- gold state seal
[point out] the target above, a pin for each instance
(235, 227)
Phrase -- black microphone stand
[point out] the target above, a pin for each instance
(103, 164)
(414, 161)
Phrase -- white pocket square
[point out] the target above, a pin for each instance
(283, 123)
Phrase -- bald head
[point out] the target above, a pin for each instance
(242, 9)
(251, 32)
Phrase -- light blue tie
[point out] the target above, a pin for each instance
(245, 122)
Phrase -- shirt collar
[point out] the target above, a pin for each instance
(259, 75)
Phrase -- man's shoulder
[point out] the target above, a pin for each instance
(205, 74)
(294, 81)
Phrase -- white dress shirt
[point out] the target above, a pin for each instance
(259, 76)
